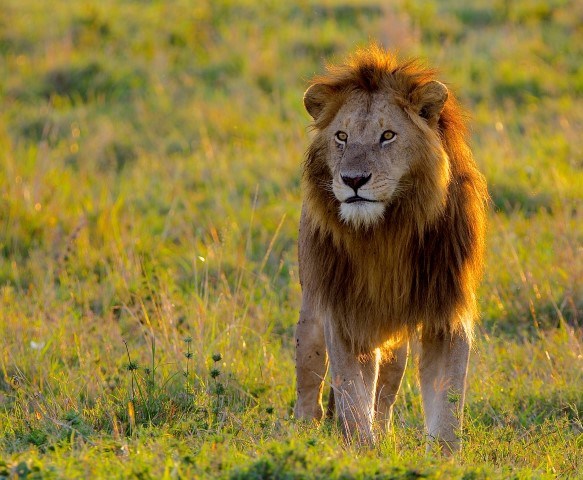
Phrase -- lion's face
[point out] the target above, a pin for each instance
(381, 147)
(370, 145)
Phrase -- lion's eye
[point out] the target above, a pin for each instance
(387, 137)
(341, 137)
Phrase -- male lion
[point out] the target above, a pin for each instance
(390, 245)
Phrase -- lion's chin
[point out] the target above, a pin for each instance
(362, 214)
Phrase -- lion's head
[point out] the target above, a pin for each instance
(379, 138)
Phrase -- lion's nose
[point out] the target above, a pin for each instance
(355, 182)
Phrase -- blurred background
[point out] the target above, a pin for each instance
(150, 158)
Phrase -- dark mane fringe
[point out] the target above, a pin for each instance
(408, 272)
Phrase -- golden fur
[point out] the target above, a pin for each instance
(417, 268)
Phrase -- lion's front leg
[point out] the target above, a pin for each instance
(391, 372)
(443, 368)
(311, 363)
(354, 382)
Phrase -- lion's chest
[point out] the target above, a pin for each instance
(367, 286)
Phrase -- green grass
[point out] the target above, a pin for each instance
(150, 159)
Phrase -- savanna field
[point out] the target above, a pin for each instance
(150, 158)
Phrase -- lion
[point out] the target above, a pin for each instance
(391, 245)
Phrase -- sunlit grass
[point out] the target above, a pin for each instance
(150, 158)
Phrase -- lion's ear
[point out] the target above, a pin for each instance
(429, 100)
(316, 97)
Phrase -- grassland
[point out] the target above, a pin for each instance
(150, 159)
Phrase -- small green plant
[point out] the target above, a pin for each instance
(218, 388)
(148, 399)
(188, 387)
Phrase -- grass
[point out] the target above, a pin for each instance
(150, 158)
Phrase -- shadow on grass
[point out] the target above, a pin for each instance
(84, 82)
(547, 316)
(344, 14)
(527, 410)
(302, 462)
(92, 80)
(509, 199)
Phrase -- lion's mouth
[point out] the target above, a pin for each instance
(356, 198)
